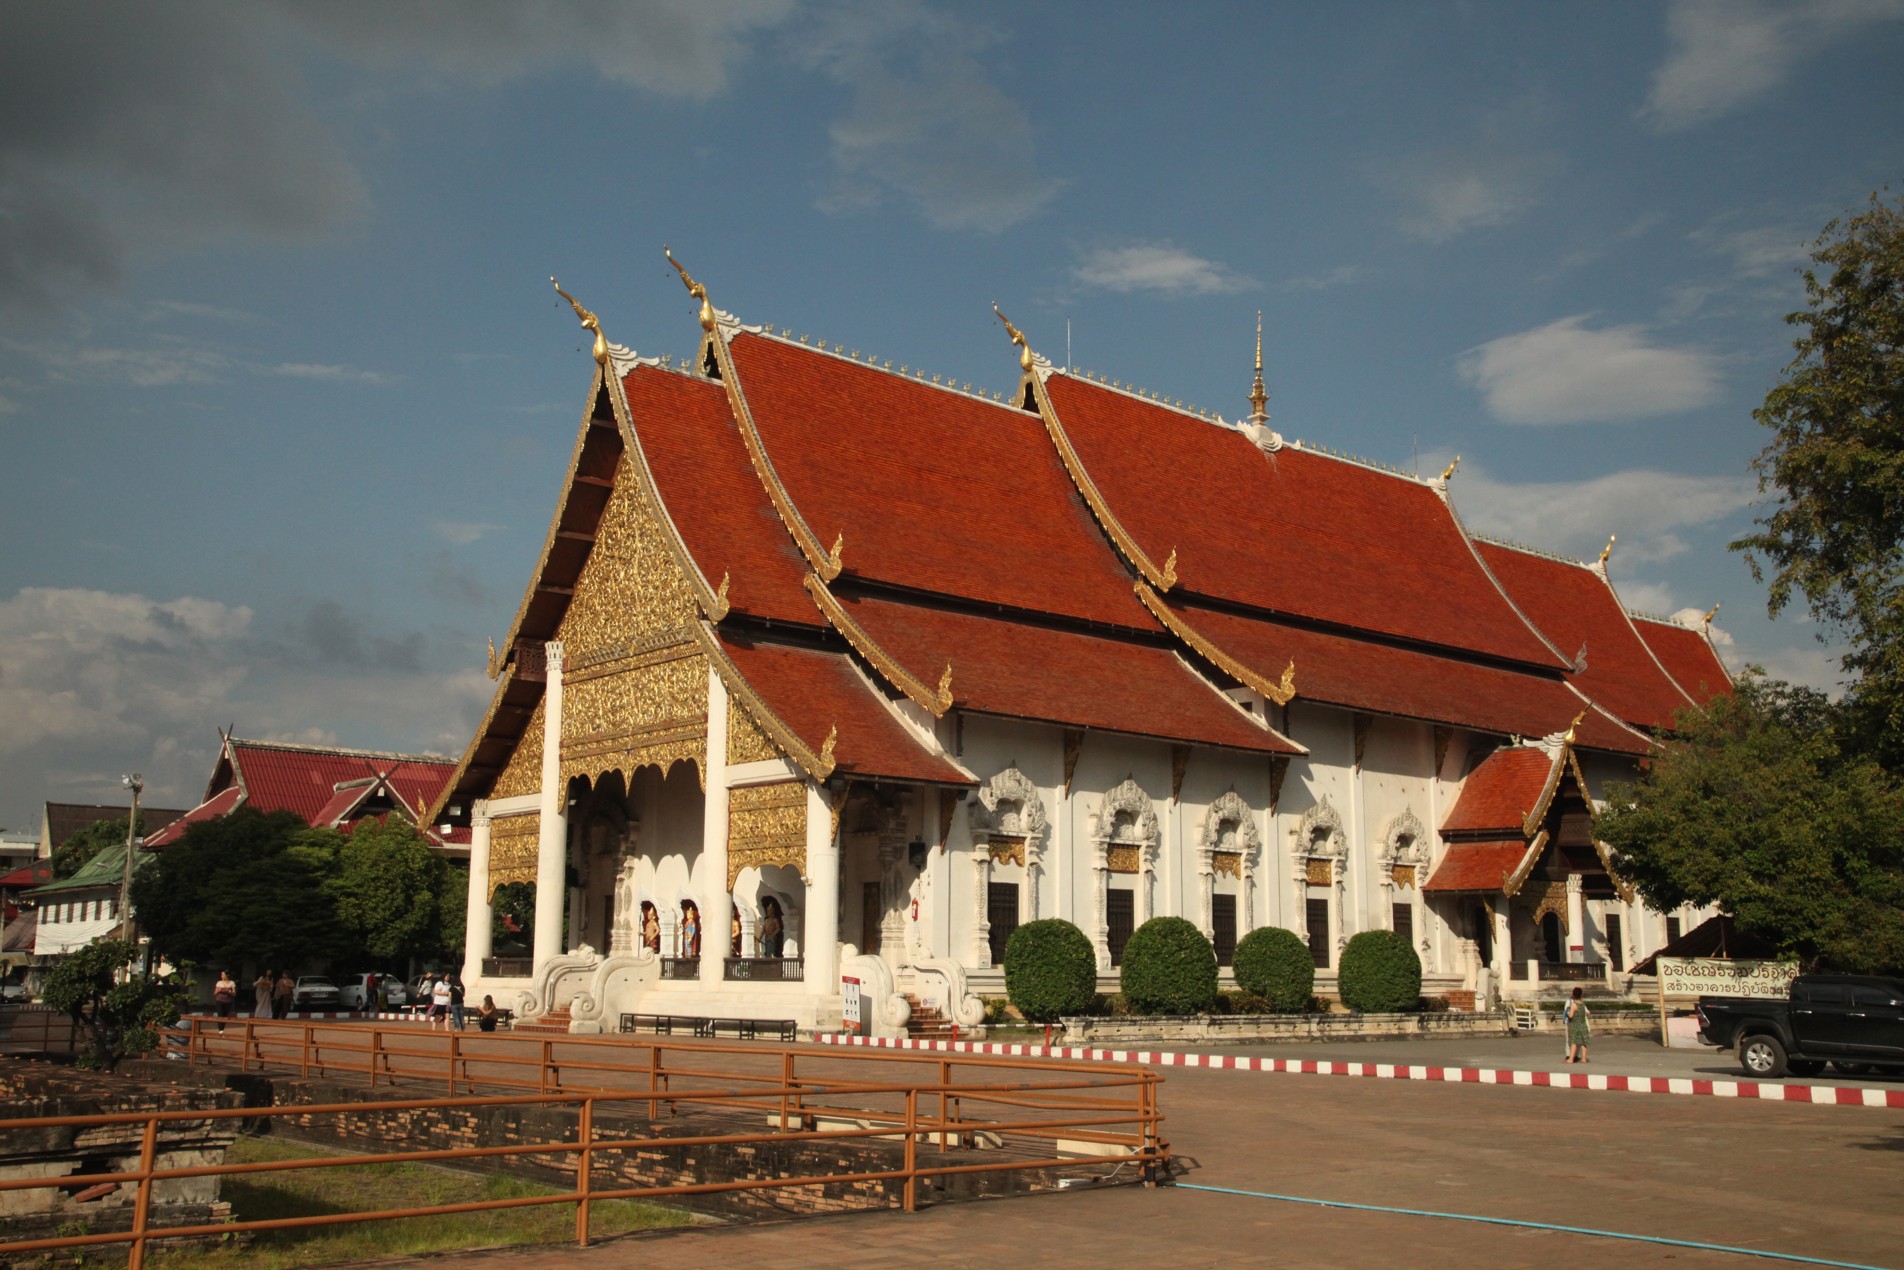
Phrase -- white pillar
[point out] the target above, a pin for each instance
(552, 838)
(717, 903)
(478, 919)
(1576, 919)
(822, 947)
(981, 951)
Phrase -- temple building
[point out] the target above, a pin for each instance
(830, 670)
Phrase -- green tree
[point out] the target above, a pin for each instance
(115, 1011)
(1765, 804)
(1276, 965)
(1835, 535)
(70, 856)
(1169, 968)
(391, 892)
(247, 887)
(1379, 973)
(514, 907)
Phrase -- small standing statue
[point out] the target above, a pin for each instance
(651, 928)
(773, 933)
(733, 936)
(690, 931)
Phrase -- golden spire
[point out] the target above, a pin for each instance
(1259, 397)
(589, 323)
(695, 289)
(1448, 471)
(1712, 613)
(1017, 337)
(1607, 550)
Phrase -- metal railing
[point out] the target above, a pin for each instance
(1048, 1114)
(35, 1029)
(767, 969)
(680, 967)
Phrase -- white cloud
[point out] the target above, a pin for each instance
(927, 122)
(1646, 508)
(461, 533)
(1158, 267)
(1759, 250)
(158, 364)
(1446, 191)
(1328, 280)
(1566, 373)
(1726, 52)
(335, 374)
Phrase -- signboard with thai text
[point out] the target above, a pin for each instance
(1717, 977)
(849, 1005)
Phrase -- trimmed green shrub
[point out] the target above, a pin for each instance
(1380, 973)
(1169, 968)
(1050, 970)
(1274, 963)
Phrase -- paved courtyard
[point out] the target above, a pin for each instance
(1820, 1182)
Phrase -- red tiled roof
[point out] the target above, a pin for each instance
(37, 873)
(63, 820)
(932, 489)
(1065, 677)
(1363, 674)
(303, 780)
(726, 521)
(813, 691)
(1688, 657)
(342, 803)
(1477, 866)
(1290, 532)
(219, 804)
(1575, 607)
(1500, 792)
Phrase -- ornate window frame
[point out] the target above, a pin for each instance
(1319, 848)
(1008, 822)
(1401, 859)
(1126, 797)
(1228, 809)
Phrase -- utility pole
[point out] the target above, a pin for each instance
(136, 784)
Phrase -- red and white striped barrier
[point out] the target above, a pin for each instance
(1829, 1095)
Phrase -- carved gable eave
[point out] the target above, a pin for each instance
(1032, 388)
(714, 345)
(709, 597)
(1281, 690)
(1512, 883)
(935, 701)
(816, 764)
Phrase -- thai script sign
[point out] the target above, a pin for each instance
(849, 1005)
(1716, 977)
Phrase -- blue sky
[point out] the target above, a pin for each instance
(285, 395)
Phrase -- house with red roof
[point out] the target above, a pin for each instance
(830, 671)
(326, 786)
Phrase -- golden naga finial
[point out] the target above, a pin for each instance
(1712, 613)
(721, 594)
(1573, 728)
(588, 321)
(1287, 688)
(1169, 578)
(833, 556)
(1448, 471)
(494, 669)
(1607, 550)
(1017, 337)
(945, 688)
(695, 289)
(826, 750)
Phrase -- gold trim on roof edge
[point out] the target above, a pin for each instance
(819, 766)
(1162, 578)
(823, 562)
(936, 702)
(457, 773)
(1512, 883)
(1280, 691)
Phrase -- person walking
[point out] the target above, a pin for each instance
(1578, 1030)
(456, 1000)
(440, 1003)
(261, 989)
(282, 993)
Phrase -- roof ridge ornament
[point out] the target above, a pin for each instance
(945, 688)
(695, 289)
(1711, 613)
(494, 668)
(589, 323)
(1259, 396)
(1028, 361)
(1605, 552)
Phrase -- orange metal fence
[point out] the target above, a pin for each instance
(1043, 1114)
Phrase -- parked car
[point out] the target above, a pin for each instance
(1851, 1021)
(316, 992)
(360, 992)
(13, 992)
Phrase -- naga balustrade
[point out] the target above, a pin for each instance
(1045, 1114)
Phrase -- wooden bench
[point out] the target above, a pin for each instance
(700, 1025)
(662, 1024)
(751, 1029)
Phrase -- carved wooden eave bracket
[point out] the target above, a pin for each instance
(720, 328)
(935, 701)
(817, 764)
(1161, 577)
(1281, 691)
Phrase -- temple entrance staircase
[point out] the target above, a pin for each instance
(550, 1022)
(926, 1023)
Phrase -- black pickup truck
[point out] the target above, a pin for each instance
(1853, 1022)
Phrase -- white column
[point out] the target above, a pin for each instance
(1503, 945)
(477, 916)
(1576, 919)
(822, 947)
(981, 950)
(717, 902)
(552, 838)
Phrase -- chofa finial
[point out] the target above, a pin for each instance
(588, 321)
(1573, 729)
(1448, 471)
(1607, 550)
(1017, 337)
(1711, 613)
(695, 289)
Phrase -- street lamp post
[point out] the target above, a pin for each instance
(136, 784)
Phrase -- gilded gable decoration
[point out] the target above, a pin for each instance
(747, 742)
(513, 847)
(766, 826)
(522, 774)
(1281, 690)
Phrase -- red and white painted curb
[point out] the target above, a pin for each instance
(298, 1015)
(1829, 1095)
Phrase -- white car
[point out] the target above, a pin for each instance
(359, 993)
